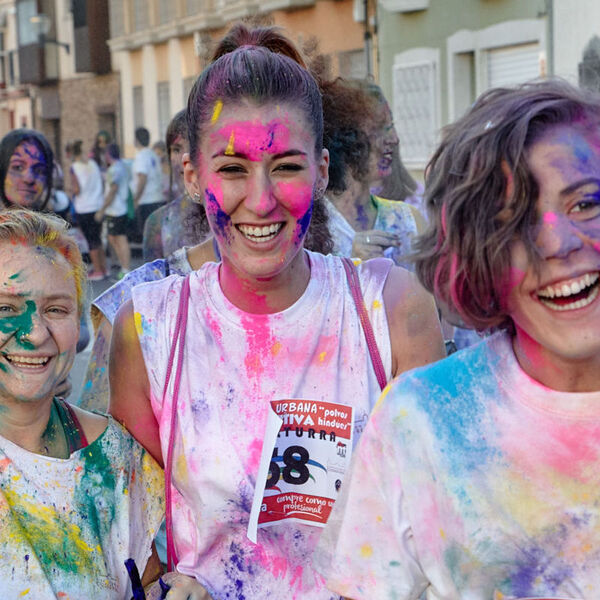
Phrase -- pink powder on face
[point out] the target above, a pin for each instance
(297, 197)
(253, 138)
(550, 218)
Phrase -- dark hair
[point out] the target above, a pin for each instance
(464, 257)
(113, 150)
(76, 147)
(177, 127)
(97, 152)
(8, 145)
(260, 64)
(263, 65)
(142, 135)
(103, 133)
(344, 109)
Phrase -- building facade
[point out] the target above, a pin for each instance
(437, 56)
(56, 70)
(160, 46)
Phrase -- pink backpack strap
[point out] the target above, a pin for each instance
(359, 302)
(178, 341)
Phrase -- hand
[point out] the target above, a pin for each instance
(182, 588)
(372, 243)
(99, 216)
(63, 388)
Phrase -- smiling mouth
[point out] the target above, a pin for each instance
(260, 234)
(27, 362)
(386, 160)
(575, 294)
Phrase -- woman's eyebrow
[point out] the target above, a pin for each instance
(291, 152)
(574, 186)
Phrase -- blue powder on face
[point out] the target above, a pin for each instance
(304, 222)
(221, 220)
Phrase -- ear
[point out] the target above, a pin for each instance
(190, 177)
(323, 170)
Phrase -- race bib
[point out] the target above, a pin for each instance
(306, 452)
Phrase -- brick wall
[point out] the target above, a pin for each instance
(89, 104)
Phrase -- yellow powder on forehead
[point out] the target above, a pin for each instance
(216, 111)
(229, 151)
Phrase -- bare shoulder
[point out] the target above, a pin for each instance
(415, 331)
(93, 424)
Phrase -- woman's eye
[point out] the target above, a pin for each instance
(588, 206)
(16, 167)
(233, 169)
(6, 309)
(293, 167)
(39, 171)
(58, 310)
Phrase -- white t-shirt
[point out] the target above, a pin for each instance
(90, 197)
(146, 162)
(117, 173)
(234, 364)
(471, 480)
(68, 525)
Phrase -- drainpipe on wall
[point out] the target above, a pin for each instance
(368, 39)
(550, 40)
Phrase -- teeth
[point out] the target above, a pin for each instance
(27, 360)
(569, 289)
(261, 234)
(573, 305)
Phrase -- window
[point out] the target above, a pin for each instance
(193, 7)
(511, 65)
(140, 15)
(415, 110)
(117, 18)
(27, 33)
(164, 108)
(138, 106)
(166, 11)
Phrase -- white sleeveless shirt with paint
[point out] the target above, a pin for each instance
(235, 363)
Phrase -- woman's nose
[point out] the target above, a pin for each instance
(557, 236)
(260, 198)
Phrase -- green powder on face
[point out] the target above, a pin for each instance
(21, 324)
(15, 275)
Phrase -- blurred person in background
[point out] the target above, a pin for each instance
(99, 150)
(181, 222)
(114, 209)
(160, 149)
(361, 138)
(88, 199)
(147, 174)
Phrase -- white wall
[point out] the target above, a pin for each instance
(575, 22)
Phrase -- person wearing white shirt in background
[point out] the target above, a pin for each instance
(114, 210)
(147, 173)
(87, 191)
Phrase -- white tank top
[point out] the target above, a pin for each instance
(90, 197)
(235, 363)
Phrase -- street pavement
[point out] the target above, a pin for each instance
(95, 288)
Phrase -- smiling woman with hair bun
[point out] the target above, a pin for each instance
(271, 321)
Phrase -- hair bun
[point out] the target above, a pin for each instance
(241, 37)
